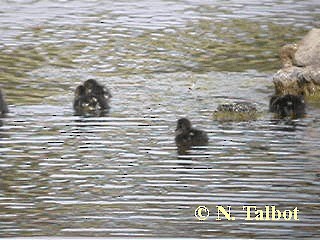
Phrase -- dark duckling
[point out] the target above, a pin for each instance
(3, 105)
(94, 89)
(287, 106)
(187, 136)
(81, 101)
(91, 98)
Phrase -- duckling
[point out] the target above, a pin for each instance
(3, 105)
(186, 136)
(80, 100)
(94, 89)
(91, 97)
(287, 106)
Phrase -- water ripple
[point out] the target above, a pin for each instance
(120, 175)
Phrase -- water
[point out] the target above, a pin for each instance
(120, 175)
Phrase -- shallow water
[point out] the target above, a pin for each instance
(120, 175)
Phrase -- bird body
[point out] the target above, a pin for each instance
(186, 136)
(91, 97)
(3, 105)
(287, 106)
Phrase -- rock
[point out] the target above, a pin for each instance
(240, 111)
(308, 51)
(298, 81)
(300, 73)
(287, 53)
(286, 81)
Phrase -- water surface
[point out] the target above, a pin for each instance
(120, 175)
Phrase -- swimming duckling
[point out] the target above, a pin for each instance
(91, 97)
(80, 102)
(93, 88)
(3, 104)
(287, 106)
(186, 136)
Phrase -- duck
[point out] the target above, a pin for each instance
(3, 105)
(91, 97)
(93, 87)
(186, 136)
(288, 105)
(81, 102)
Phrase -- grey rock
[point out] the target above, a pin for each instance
(308, 50)
(300, 72)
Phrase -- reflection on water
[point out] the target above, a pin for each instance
(120, 174)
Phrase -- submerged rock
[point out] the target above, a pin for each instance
(300, 72)
(240, 111)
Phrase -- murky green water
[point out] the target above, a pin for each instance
(120, 175)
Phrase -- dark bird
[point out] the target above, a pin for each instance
(288, 105)
(186, 136)
(3, 105)
(81, 102)
(91, 98)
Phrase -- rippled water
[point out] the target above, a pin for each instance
(120, 175)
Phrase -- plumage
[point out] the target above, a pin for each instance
(91, 98)
(3, 105)
(287, 106)
(186, 136)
